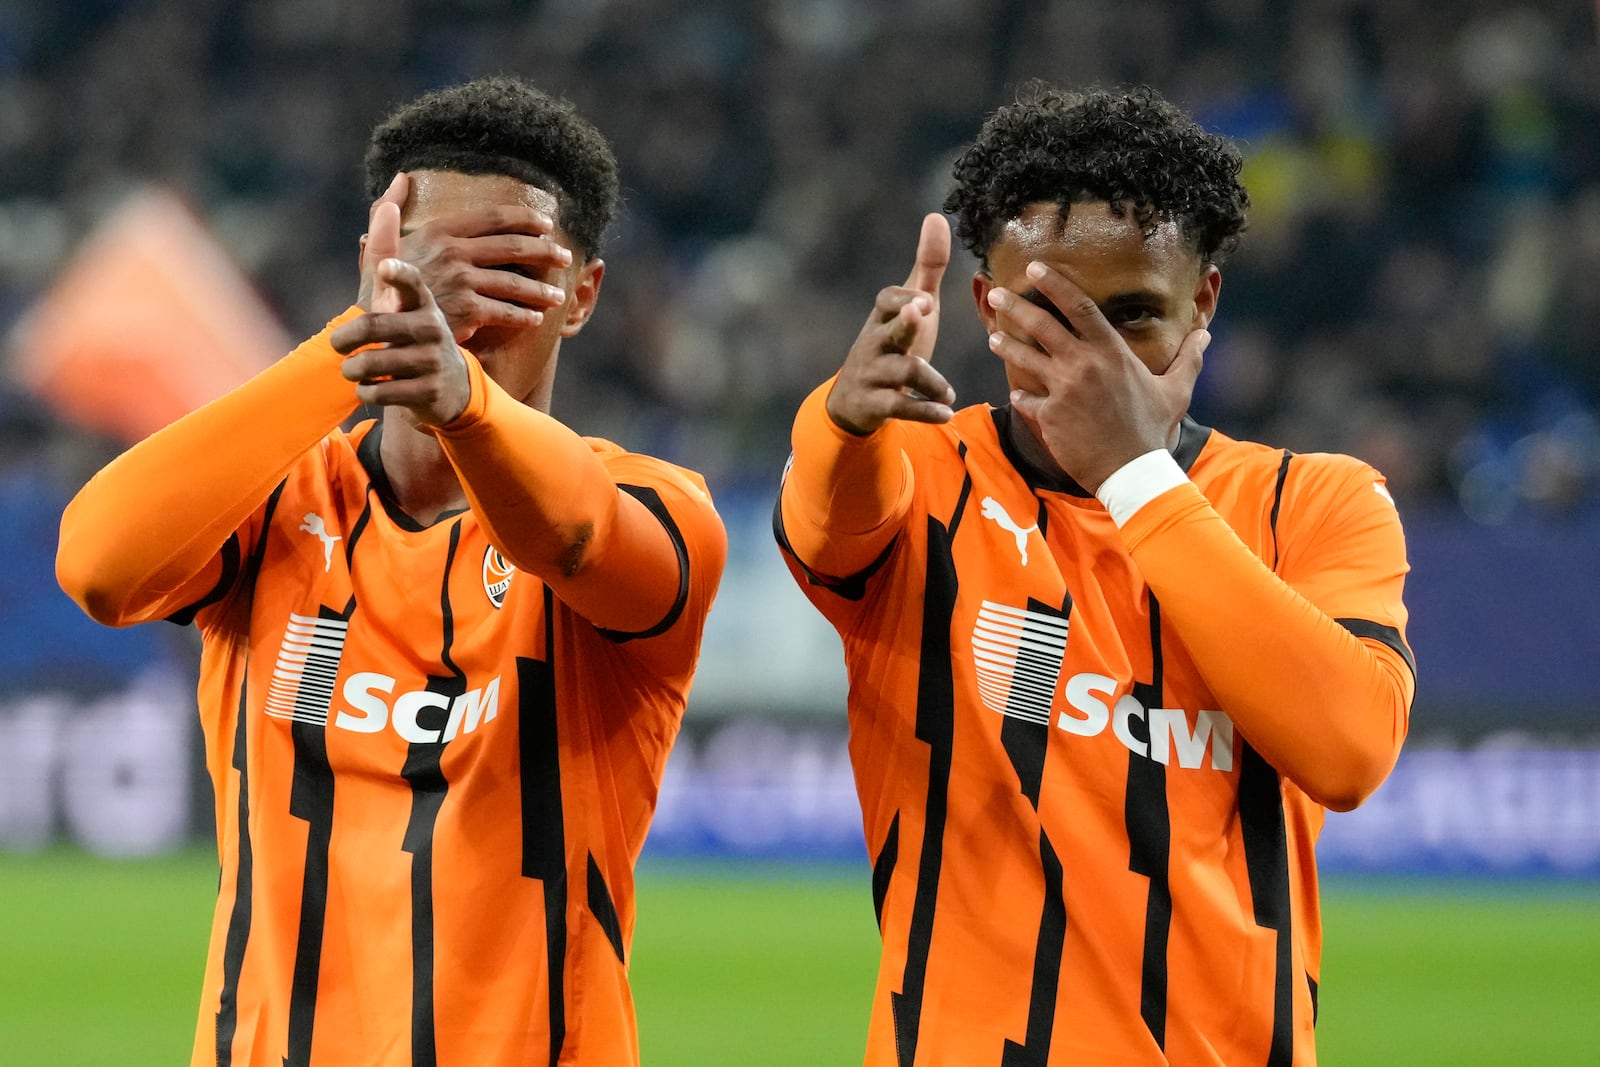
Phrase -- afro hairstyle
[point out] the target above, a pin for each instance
(504, 126)
(1126, 147)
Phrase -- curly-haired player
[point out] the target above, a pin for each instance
(445, 654)
(1109, 668)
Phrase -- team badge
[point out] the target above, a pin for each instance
(497, 572)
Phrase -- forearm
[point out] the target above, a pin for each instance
(548, 502)
(1325, 708)
(844, 496)
(157, 515)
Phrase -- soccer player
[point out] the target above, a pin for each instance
(1108, 667)
(446, 653)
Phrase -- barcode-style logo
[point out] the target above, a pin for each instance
(308, 666)
(1018, 655)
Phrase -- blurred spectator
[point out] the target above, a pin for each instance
(1417, 287)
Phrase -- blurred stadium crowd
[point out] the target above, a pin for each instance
(1417, 287)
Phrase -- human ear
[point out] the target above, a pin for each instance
(982, 282)
(1205, 296)
(582, 293)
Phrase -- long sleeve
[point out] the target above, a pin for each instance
(844, 497)
(550, 503)
(144, 533)
(1312, 667)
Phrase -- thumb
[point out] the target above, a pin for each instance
(933, 255)
(1184, 369)
(399, 189)
(1027, 404)
(383, 243)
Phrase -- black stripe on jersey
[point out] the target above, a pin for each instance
(883, 868)
(1025, 742)
(1266, 858)
(356, 531)
(1384, 635)
(424, 773)
(852, 587)
(1277, 502)
(1149, 824)
(544, 849)
(310, 799)
(957, 515)
(1311, 983)
(604, 909)
(652, 501)
(1035, 1051)
(935, 728)
(238, 935)
(229, 575)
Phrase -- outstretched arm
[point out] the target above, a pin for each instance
(545, 499)
(140, 540)
(849, 482)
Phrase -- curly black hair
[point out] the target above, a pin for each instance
(1125, 146)
(504, 125)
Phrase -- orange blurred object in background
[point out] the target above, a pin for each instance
(150, 319)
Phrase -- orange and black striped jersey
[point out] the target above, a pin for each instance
(432, 775)
(1093, 762)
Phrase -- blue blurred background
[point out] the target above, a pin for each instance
(1418, 288)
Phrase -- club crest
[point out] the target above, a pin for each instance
(497, 572)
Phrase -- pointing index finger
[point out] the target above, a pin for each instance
(405, 281)
(933, 255)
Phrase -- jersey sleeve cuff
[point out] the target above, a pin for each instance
(1139, 481)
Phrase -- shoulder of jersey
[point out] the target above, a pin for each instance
(1331, 474)
(1335, 473)
(647, 469)
(970, 425)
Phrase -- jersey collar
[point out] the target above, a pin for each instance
(1192, 438)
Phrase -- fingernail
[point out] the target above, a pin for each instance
(996, 340)
(996, 298)
(1036, 270)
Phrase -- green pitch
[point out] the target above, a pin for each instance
(100, 965)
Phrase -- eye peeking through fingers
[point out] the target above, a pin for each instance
(1039, 300)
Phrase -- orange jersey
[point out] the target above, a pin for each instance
(432, 775)
(1090, 760)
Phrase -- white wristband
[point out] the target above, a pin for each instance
(1137, 482)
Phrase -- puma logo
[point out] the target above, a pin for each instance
(997, 514)
(313, 525)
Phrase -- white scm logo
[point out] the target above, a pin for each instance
(363, 692)
(1167, 728)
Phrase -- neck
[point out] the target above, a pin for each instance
(1033, 453)
(420, 475)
